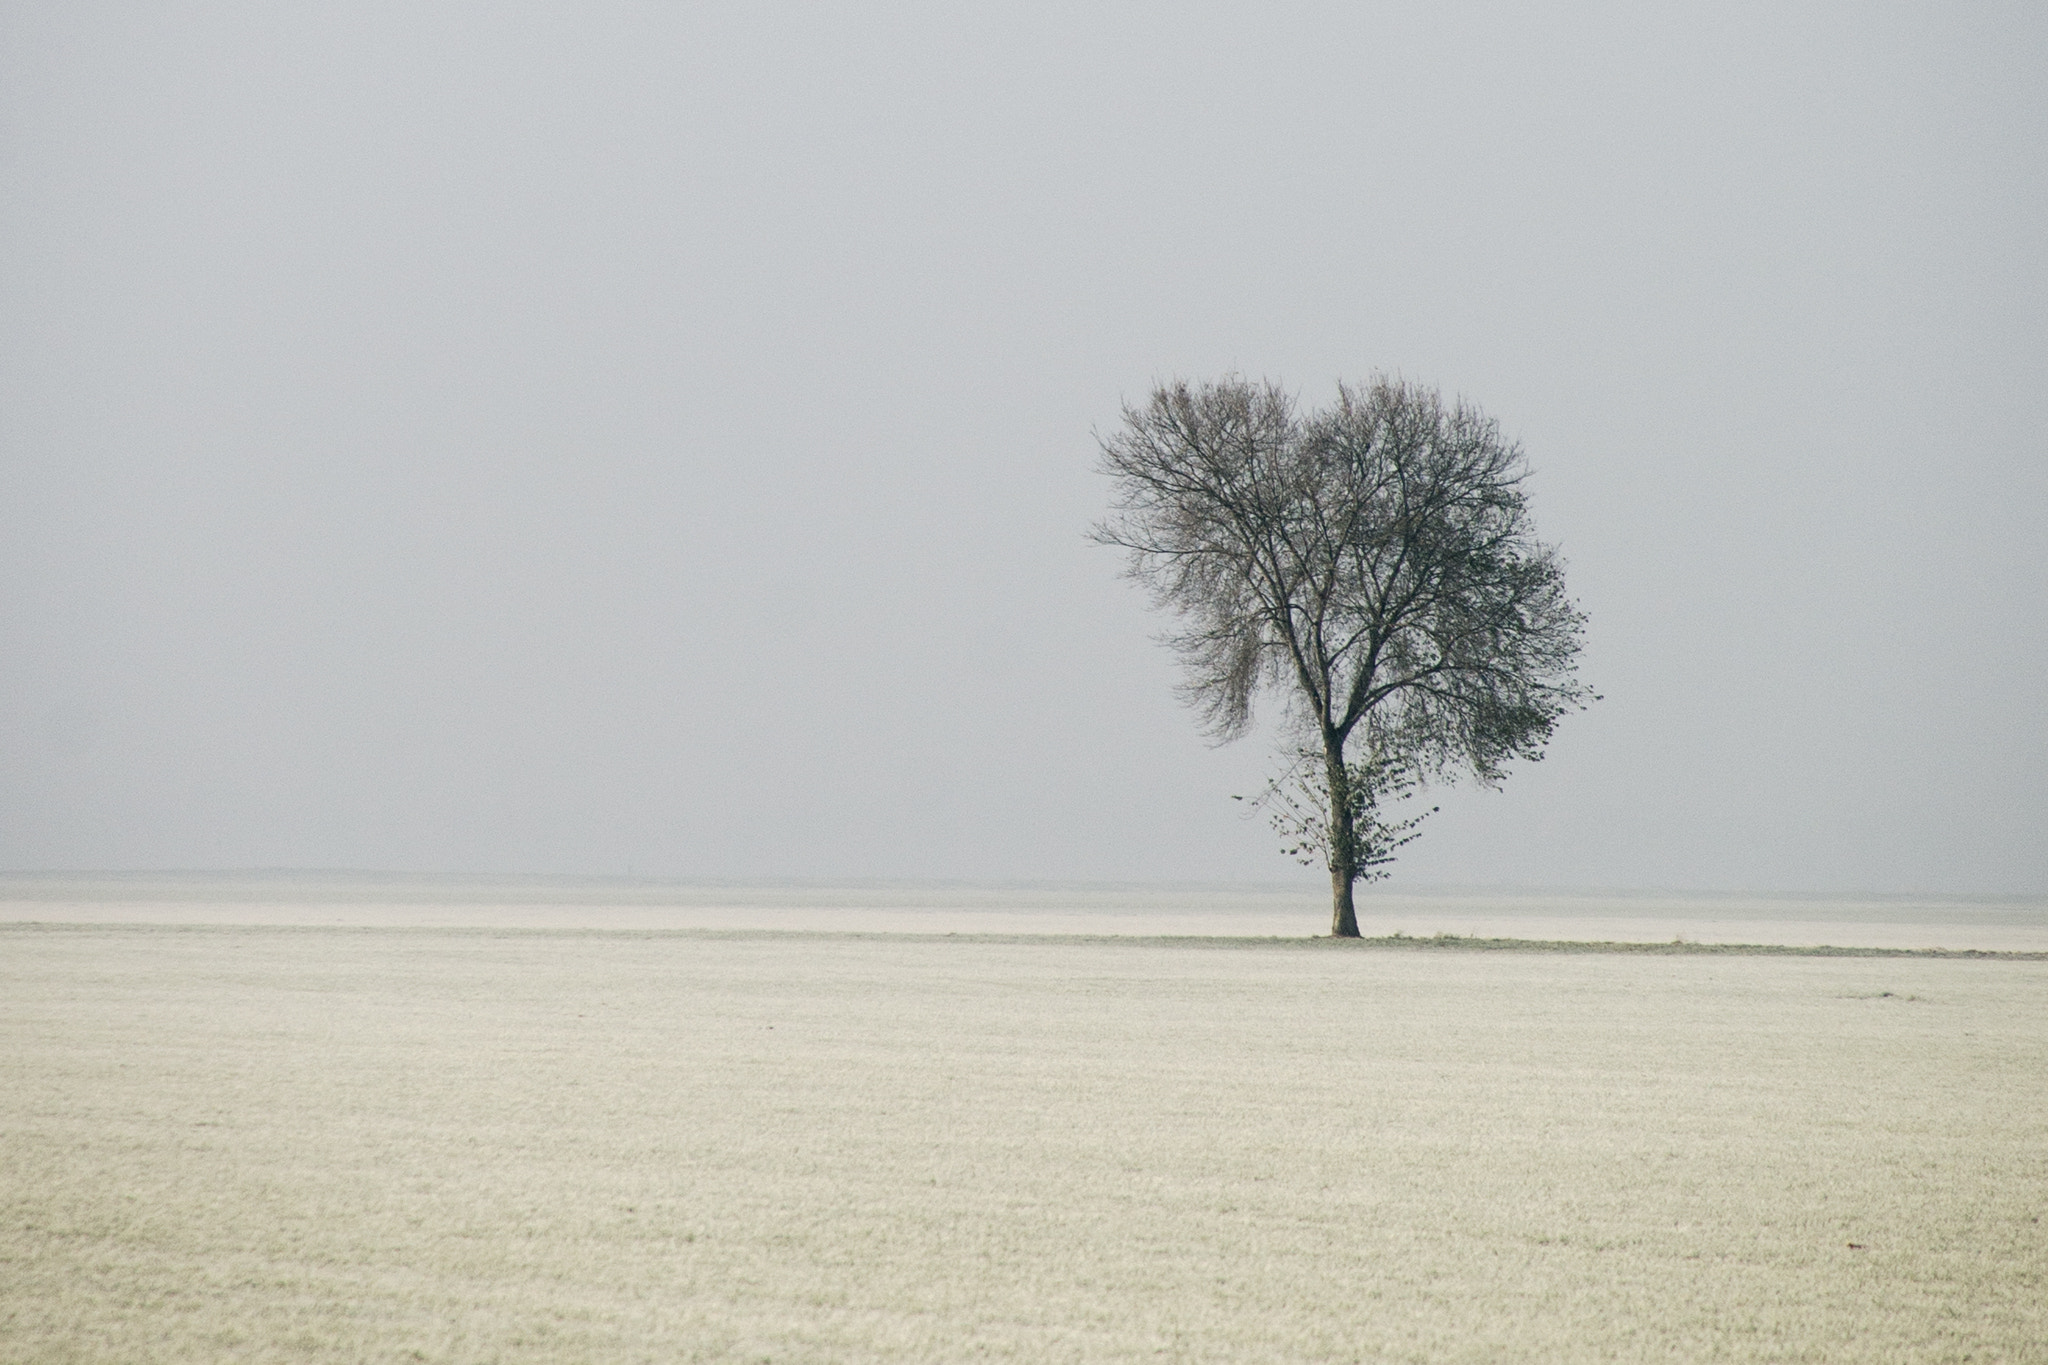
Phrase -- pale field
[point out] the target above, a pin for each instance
(316, 1144)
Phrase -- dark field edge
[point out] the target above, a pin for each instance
(1434, 943)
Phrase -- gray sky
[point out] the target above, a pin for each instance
(597, 437)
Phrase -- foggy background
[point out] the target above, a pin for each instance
(652, 438)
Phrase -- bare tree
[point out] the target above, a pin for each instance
(1375, 563)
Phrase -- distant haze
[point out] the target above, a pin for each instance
(640, 437)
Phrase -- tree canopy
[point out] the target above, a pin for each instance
(1374, 563)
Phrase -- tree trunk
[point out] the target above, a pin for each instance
(1344, 915)
(1343, 841)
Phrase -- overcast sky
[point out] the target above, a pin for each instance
(591, 438)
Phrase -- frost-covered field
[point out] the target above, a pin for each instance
(318, 1143)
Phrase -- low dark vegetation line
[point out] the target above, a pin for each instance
(1682, 947)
